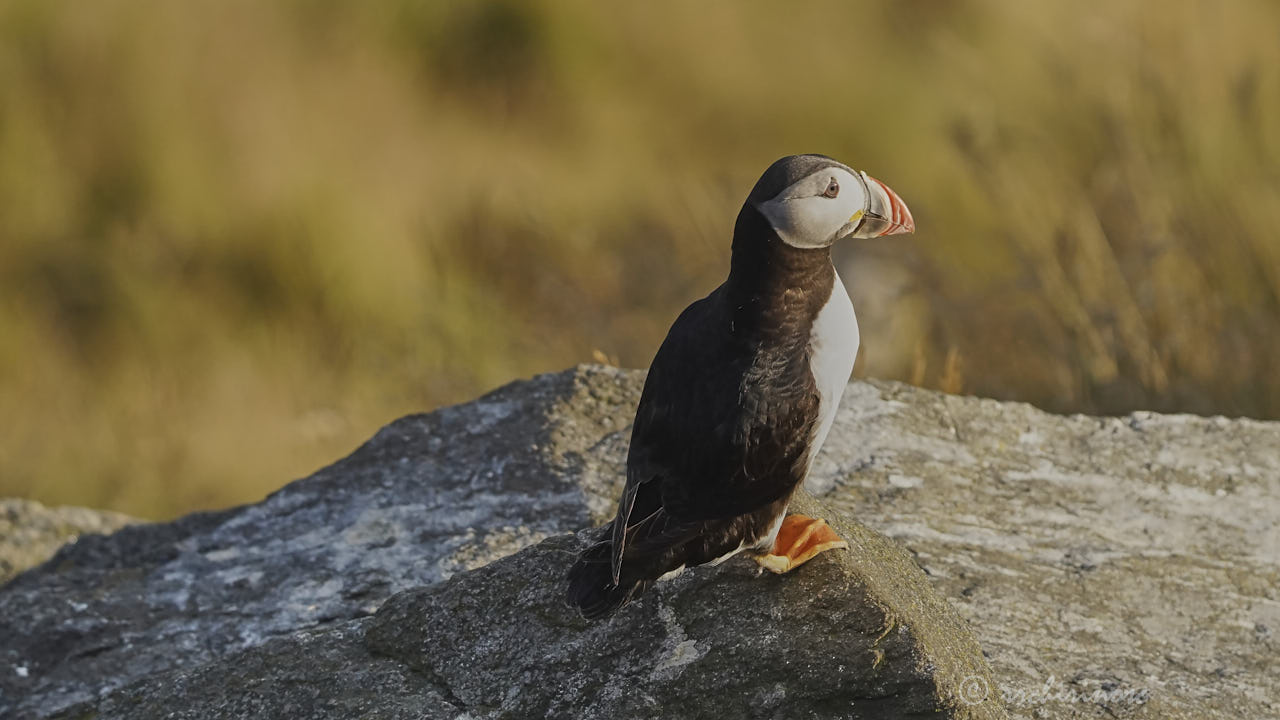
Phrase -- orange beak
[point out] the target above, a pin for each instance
(886, 214)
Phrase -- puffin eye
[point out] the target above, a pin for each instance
(833, 189)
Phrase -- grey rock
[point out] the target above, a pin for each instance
(852, 634)
(1109, 567)
(30, 532)
(319, 673)
(1123, 567)
(426, 497)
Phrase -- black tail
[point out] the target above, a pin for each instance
(591, 586)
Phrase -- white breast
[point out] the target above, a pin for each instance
(833, 346)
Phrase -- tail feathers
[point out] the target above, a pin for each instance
(591, 586)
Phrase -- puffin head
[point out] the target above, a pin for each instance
(812, 201)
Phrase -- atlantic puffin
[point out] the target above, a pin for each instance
(742, 392)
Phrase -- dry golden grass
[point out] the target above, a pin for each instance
(236, 237)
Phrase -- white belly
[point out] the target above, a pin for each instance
(833, 347)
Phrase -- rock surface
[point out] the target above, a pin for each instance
(1110, 567)
(427, 496)
(852, 634)
(317, 673)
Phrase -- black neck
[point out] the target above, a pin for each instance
(773, 282)
(765, 266)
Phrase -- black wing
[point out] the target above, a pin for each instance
(721, 430)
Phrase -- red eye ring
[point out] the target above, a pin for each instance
(833, 189)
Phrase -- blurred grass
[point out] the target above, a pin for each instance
(237, 237)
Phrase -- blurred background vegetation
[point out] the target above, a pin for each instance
(237, 237)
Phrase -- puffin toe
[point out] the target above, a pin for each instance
(800, 539)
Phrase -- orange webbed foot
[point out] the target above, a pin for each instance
(799, 540)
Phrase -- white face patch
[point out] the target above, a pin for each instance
(805, 217)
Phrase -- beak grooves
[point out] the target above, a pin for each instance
(890, 209)
(886, 213)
